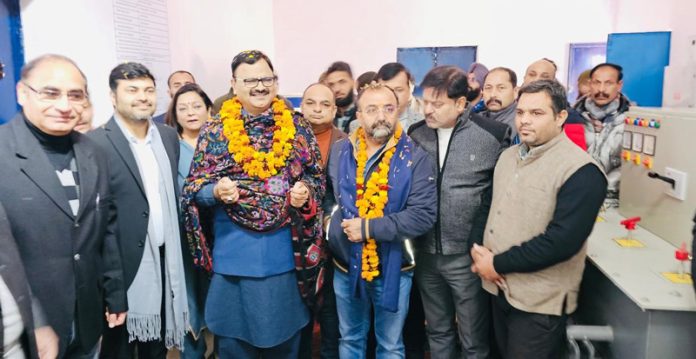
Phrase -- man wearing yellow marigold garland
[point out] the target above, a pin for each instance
(385, 191)
(254, 186)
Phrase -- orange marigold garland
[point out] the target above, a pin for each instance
(257, 163)
(372, 198)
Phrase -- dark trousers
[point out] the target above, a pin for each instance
(327, 316)
(239, 349)
(456, 307)
(522, 335)
(115, 340)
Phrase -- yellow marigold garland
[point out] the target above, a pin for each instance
(257, 163)
(372, 198)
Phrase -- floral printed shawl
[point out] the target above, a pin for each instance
(264, 205)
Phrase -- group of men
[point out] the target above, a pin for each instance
(415, 196)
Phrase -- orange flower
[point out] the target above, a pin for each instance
(371, 198)
(256, 163)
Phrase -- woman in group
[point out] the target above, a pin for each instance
(189, 110)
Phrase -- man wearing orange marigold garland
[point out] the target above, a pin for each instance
(385, 191)
(256, 176)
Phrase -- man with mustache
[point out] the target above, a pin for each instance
(339, 78)
(499, 90)
(143, 159)
(384, 187)
(463, 149)
(254, 189)
(604, 113)
(546, 196)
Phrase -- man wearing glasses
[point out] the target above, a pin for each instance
(254, 189)
(384, 189)
(55, 189)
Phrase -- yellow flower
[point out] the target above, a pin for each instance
(256, 163)
(371, 200)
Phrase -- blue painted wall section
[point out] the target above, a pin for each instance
(11, 55)
(643, 57)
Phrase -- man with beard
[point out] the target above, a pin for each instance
(603, 110)
(385, 191)
(499, 90)
(143, 158)
(477, 73)
(339, 78)
(254, 189)
(545, 69)
(397, 77)
(463, 149)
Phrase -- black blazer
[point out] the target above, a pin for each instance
(128, 191)
(72, 262)
(12, 272)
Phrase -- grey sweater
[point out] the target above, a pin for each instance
(464, 181)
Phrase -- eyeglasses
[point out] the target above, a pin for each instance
(49, 94)
(265, 81)
(373, 110)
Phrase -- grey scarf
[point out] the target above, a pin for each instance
(605, 113)
(145, 293)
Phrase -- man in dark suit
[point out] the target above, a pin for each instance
(143, 157)
(54, 184)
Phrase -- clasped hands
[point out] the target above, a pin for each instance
(482, 258)
(227, 191)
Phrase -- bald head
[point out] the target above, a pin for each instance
(318, 106)
(543, 69)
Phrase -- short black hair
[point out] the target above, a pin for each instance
(171, 118)
(390, 70)
(553, 88)
(339, 66)
(249, 57)
(372, 87)
(511, 74)
(447, 79)
(616, 67)
(128, 71)
(169, 79)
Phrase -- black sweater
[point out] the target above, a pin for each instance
(577, 204)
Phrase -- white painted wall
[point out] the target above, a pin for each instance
(80, 29)
(205, 36)
(310, 34)
(303, 37)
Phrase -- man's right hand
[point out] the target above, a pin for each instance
(115, 319)
(46, 342)
(226, 191)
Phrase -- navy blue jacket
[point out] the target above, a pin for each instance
(417, 218)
